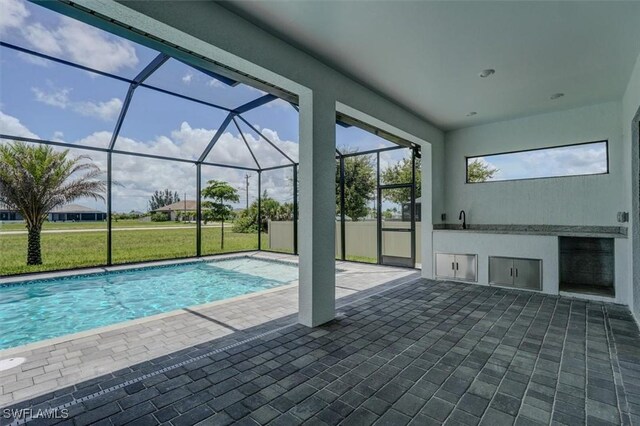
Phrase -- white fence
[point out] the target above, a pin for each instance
(361, 239)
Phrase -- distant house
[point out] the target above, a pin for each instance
(8, 214)
(172, 209)
(76, 213)
(66, 213)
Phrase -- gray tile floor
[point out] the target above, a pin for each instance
(420, 353)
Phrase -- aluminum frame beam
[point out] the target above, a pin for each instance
(246, 143)
(262, 100)
(137, 80)
(217, 136)
(266, 139)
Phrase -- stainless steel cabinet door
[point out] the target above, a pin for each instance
(466, 267)
(445, 265)
(527, 273)
(500, 270)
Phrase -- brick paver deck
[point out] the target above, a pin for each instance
(419, 353)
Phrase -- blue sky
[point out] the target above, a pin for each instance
(47, 100)
(554, 162)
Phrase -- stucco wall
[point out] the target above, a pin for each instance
(631, 142)
(582, 200)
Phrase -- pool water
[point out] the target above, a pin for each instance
(44, 309)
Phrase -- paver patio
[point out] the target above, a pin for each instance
(422, 353)
(60, 362)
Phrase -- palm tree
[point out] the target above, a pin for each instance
(36, 179)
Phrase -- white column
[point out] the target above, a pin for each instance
(316, 233)
(426, 167)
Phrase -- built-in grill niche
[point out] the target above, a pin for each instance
(587, 265)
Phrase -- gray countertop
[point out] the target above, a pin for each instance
(550, 230)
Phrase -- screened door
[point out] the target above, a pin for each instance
(396, 225)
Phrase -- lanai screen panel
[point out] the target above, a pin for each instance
(163, 193)
(160, 124)
(44, 99)
(277, 199)
(278, 121)
(240, 216)
(205, 86)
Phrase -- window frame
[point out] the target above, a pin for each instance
(468, 157)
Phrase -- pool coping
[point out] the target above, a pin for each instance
(104, 329)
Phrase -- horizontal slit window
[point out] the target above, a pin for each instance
(591, 158)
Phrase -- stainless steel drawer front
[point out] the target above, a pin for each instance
(527, 273)
(515, 272)
(445, 265)
(457, 266)
(466, 267)
(501, 270)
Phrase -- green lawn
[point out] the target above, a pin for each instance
(72, 250)
(362, 259)
(81, 249)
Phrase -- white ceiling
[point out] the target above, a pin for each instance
(427, 55)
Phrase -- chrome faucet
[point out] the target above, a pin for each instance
(463, 217)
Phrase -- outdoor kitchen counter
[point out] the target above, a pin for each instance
(549, 230)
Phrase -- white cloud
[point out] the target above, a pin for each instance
(186, 79)
(388, 158)
(96, 139)
(58, 136)
(59, 97)
(189, 142)
(565, 161)
(289, 147)
(215, 83)
(90, 46)
(13, 15)
(42, 38)
(138, 177)
(10, 125)
(106, 111)
(69, 39)
(56, 97)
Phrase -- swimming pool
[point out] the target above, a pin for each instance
(38, 310)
